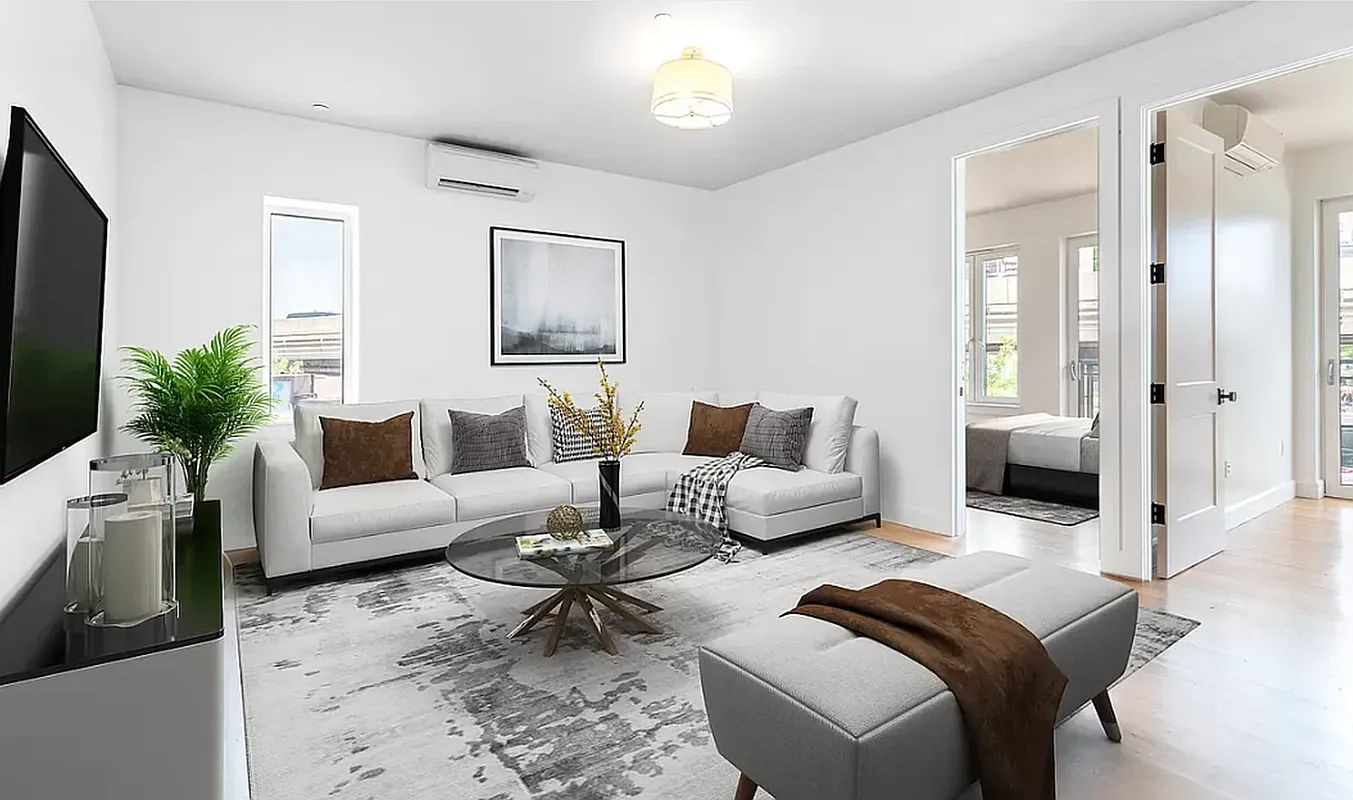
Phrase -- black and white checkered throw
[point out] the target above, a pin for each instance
(701, 493)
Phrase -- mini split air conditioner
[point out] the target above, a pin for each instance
(1250, 145)
(462, 169)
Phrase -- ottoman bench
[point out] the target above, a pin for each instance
(811, 711)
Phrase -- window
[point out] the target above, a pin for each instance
(991, 318)
(1082, 324)
(310, 328)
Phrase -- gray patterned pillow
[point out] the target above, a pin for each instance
(778, 437)
(488, 441)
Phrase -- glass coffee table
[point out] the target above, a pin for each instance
(648, 544)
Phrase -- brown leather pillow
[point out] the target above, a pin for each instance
(715, 430)
(357, 452)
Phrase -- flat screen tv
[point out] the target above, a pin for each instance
(53, 243)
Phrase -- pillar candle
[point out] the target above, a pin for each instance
(132, 566)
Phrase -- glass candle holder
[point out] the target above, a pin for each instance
(85, 515)
(132, 554)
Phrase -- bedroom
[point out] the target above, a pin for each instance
(1031, 365)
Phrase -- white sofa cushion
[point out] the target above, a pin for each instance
(349, 512)
(437, 425)
(829, 433)
(539, 441)
(735, 397)
(672, 463)
(497, 492)
(666, 419)
(636, 477)
(310, 437)
(766, 491)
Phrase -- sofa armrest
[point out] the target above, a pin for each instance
(282, 504)
(863, 459)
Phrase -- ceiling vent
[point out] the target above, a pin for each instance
(1250, 144)
(481, 172)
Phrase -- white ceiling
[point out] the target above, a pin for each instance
(1310, 107)
(569, 81)
(1061, 165)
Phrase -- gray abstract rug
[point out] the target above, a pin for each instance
(400, 684)
(1056, 513)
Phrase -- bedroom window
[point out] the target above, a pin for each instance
(991, 318)
(308, 322)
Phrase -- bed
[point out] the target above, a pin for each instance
(1039, 456)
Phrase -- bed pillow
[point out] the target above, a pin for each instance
(1094, 427)
(716, 430)
(357, 452)
(829, 435)
(777, 437)
(482, 442)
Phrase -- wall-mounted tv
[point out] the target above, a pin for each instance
(53, 247)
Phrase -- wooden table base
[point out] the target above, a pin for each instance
(583, 597)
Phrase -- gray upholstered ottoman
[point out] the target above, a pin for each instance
(810, 711)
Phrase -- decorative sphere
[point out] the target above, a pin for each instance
(564, 522)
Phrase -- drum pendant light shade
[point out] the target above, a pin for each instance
(692, 93)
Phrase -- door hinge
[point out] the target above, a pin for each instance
(1157, 153)
(1157, 394)
(1158, 272)
(1157, 513)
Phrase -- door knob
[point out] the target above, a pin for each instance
(1224, 396)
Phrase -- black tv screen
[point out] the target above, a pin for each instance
(53, 243)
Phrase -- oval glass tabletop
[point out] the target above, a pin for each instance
(648, 544)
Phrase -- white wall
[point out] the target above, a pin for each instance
(1322, 174)
(53, 64)
(192, 243)
(1040, 230)
(871, 226)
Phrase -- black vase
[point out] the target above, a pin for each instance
(608, 484)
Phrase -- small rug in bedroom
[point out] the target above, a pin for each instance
(1056, 513)
(400, 684)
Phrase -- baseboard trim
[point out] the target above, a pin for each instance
(1313, 489)
(1239, 513)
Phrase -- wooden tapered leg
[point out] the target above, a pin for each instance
(598, 627)
(559, 620)
(746, 789)
(614, 605)
(628, 598)
(537, 613)
(1104, 708)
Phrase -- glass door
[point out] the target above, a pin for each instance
(1336, 233)
(1082, 325)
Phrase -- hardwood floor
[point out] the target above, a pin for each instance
(1256, 703)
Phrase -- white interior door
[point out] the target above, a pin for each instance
(1186, 452)
(1081, 279)
(1336, 261)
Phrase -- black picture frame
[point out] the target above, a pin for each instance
(499, 355)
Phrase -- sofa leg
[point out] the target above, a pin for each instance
(1104, 708)
(878, 520)
(746, 788)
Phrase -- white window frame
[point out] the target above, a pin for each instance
(1071, 317)
(347, 215)
(977, 351)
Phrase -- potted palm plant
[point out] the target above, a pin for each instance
(198, 404)
(612, 437)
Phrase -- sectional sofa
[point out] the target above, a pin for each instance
(301, 528)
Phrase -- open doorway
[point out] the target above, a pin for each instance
(1030, 322)
(1251, 229)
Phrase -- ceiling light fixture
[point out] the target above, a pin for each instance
(692, 93)
(662, 17)
(319, 106)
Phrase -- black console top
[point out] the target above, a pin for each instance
(37, 638)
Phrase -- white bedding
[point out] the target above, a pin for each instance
(1051, 443)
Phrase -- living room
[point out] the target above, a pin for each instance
(800, 253)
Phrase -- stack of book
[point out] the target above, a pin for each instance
(541, 545)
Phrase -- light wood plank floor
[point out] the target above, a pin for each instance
(1257, 703)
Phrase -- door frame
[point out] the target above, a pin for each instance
(1105, 115)
(1327, 257)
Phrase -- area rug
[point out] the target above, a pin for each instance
(1056, 513)
(400, 684)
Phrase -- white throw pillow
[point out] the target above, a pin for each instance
(437, 425)
(310, 437)
(829, 433)
(666, 420)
